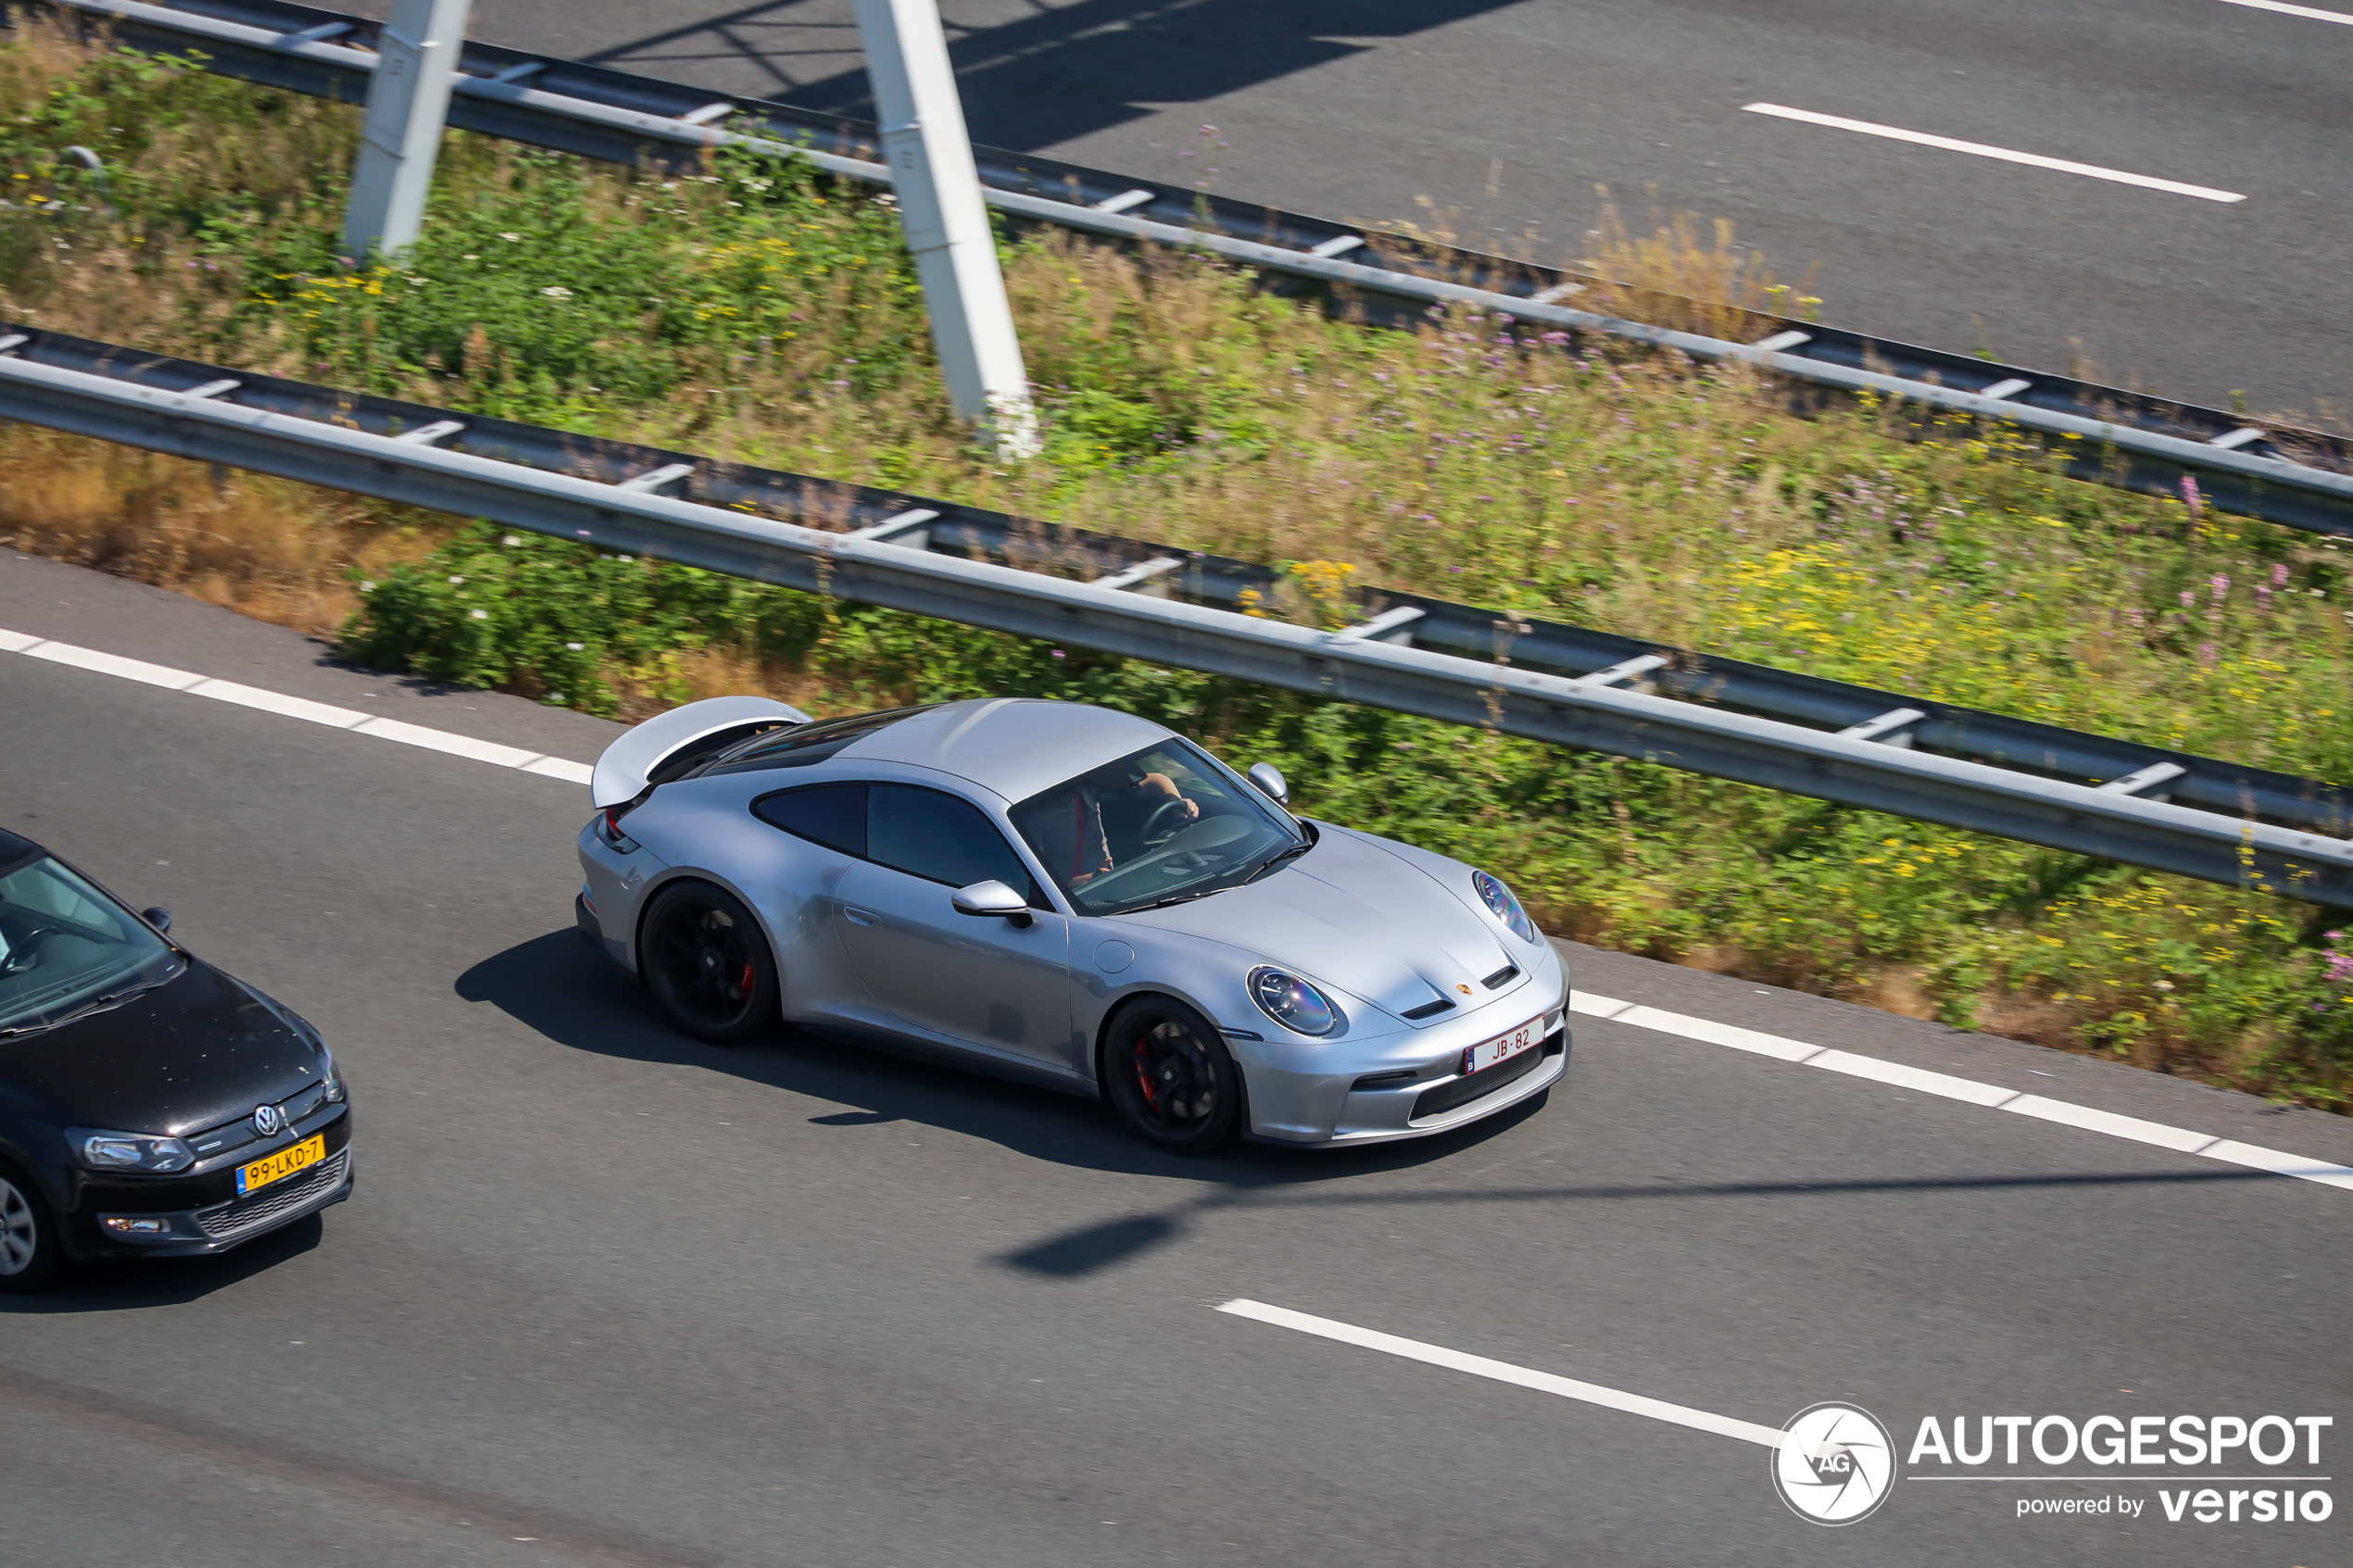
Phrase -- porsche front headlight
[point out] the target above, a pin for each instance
(1293, 1002)
(1503, 907)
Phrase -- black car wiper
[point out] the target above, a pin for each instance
(1179, 899)
(1280, 858)
(96, 1004)
(1273, 862)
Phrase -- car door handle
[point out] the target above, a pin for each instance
(857, 917)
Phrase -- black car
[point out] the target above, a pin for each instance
(150, 1106)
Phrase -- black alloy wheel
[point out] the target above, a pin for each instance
(28, 1236)
(1167, 1073)
(707, 962)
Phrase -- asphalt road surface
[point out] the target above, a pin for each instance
(1500, 118)
(609, 1296)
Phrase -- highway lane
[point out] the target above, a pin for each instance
(1502, 118)
(645, 1302)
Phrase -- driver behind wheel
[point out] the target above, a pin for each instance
(1098, 820)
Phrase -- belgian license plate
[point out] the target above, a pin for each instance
(1502, 1048)
(285, 1162)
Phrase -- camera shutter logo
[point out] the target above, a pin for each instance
(1836, 1464)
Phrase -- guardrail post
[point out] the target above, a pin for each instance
(408, 102)
(946, 221)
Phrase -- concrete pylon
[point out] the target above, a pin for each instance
(930, 155)
(407, 105)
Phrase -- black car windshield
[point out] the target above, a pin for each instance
(65, 947)
(1167, 823)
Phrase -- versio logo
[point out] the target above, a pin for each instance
(1836, 1463)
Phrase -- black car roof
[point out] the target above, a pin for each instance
(15, 851)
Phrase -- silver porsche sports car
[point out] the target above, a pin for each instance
(1070, 896)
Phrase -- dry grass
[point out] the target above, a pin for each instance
(1681, 271)
(1686, 273)
(266, 548)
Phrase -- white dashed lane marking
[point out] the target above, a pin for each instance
(2003, 155)
(1505, 1372)
(2309, 13)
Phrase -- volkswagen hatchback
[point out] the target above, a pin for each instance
(150, 1105)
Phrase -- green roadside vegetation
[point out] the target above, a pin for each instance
(753, 313)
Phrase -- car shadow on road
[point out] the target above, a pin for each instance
(555, 986)
(135, 1283)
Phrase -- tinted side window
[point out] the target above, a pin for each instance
(935, 836)
(833, 815)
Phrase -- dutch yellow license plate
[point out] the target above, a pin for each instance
(285, 1162)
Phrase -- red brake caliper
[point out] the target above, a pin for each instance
(1144, 1079)
(747, 980)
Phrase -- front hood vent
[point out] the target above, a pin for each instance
(1351, 915)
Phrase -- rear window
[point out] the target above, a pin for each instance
(809, 744)
(833, 815)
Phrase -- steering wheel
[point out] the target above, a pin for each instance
(1172, 811)
(21, 955)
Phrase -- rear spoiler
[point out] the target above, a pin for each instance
(630, 763)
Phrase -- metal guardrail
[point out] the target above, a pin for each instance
(2299, 478)
(1570, 685)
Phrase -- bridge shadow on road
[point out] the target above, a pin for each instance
(1057, 71)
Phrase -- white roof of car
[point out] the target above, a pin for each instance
(1016, 746)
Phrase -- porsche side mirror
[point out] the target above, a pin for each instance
(992, 898)
(1269, 780)
(158, 917)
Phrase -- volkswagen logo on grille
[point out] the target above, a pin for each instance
(269, 1121)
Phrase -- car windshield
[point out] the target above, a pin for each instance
(65, 947)
(1167, 823)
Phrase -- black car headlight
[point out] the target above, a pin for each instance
(1293, 1002)
(1503, 906)
(129, 1151)
(333, 1080)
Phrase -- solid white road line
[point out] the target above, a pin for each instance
(114, 664)
(296, 707)
(279, 703)
(2037, 160)
(1967, 1090)
(2286, 10)
(1503, 1372)
(1586, 1002)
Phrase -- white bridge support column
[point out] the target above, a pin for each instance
(938, 190)
(407, 103)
